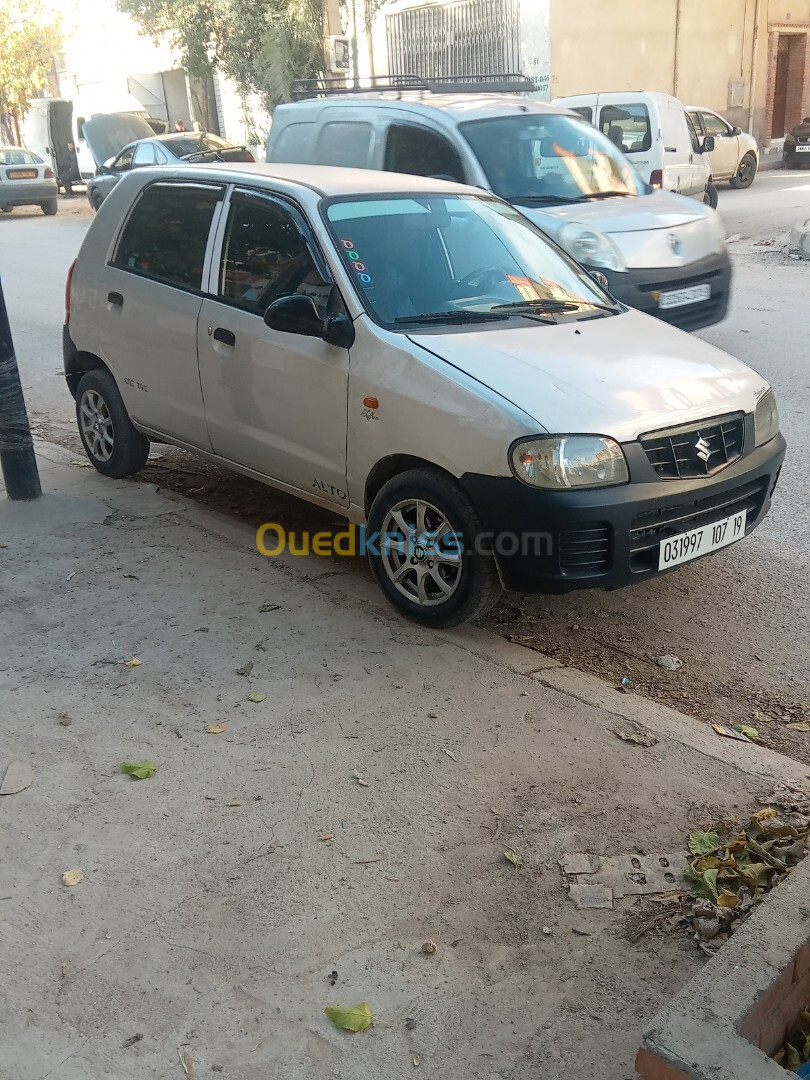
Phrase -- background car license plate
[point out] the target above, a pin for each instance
(803, 149)
(688, 545)
(679, 297)
(22, 174)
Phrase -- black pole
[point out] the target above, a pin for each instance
(17, 459)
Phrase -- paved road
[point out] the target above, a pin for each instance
(736, 619)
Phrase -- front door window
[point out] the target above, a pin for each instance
(420, 152)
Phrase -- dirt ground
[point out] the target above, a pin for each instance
(216, 916)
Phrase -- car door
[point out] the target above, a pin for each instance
(275, 402)
(110, 174)
(150, 294)
(699, 168)
(725, 156)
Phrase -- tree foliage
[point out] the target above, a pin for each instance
(261, 44)
(29, 36)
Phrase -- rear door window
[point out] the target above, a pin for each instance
(345, 143)
(420, 152)
(627, 127)
(166, 234)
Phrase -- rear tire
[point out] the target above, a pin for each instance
(434, 583)
(746, 172)
(710, 195)
(6, 209)
(50, 207)
(110, 440)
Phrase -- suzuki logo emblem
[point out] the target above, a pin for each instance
(675, 246)
(703, 450)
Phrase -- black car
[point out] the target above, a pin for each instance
(175, 148)
(796, 150)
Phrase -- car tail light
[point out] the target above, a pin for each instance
(49, 174)
(68, 283)
(657, 178)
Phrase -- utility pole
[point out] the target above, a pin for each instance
(17, 459)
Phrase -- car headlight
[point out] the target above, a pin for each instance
(591, 247)
(556, 462)
(766, 419)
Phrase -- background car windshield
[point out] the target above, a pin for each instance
(412, 256)
(555, 157)
(195, 144)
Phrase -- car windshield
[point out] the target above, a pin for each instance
(183, 145)
(15, 155)
(550, 157)
(456, 259)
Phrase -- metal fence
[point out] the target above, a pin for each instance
(464, 37)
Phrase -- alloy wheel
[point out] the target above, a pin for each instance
(97, 427)
(421, 552)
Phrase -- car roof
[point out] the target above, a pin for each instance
(18, 149)
(466, 106)
(325, 180)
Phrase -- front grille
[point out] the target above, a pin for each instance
(584, 551)
(675, 454)
(648, 530)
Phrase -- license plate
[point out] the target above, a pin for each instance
(803, 149)
(680, 297)
(21, 174)
(689, 545)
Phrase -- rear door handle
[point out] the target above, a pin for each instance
(115, 298)
(227, 337)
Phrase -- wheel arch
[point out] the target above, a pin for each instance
(393, 465)
(80, 363)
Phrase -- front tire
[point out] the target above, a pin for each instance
(110, 440)
(710, 195)
(430, 567)
(6, 209)
(50, 207)
(96, 200)
(746, 172)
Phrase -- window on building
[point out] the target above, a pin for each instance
(416, 150)
(266, 256)
(345, 143)
(627, 126)
(166, 234)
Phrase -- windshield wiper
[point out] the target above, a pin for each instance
(451, 317)
(606, 195)
(552, 200)
(553, 307)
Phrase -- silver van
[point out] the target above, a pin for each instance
(660, 252)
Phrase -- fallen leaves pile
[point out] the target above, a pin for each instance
(731, 869)
(796, 1051)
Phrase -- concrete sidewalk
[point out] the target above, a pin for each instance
(213, 915)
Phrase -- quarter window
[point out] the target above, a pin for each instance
(415, 150)
(585, 111)
(344, 142)
(166, 234)
(144, 154)
(266, 256)
(627, 126)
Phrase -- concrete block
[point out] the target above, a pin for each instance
(800, 238)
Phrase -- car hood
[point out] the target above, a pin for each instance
(108, 133)
(658, 210)
(621, 375)
(801, 131)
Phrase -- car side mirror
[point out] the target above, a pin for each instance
(736, 131)
(708, 144)
(297, 314)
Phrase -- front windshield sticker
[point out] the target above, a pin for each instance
(356, 262)
(524, 286)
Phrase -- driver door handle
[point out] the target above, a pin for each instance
(115, 298)
(227, 337)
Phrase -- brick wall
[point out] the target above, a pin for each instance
(773, 49)
(797, 81)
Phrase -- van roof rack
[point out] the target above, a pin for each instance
(494, 83)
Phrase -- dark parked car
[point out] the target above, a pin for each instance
(173, 149)
(796, 150)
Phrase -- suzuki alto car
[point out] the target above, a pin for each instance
(419, 357)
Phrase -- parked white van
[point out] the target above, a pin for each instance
(657, 134)
(421, 358)
(660, 253)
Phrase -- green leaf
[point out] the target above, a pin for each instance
(513, 857)
(748, 731)
(257, 697)
(756, 874)
(703, 843)
(702, 885)
(138, 770)
(792, 1058)
(357, 1018)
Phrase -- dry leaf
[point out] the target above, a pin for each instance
(429, 947)
(800, 725)
(72, 877)
(450, 754)
(727, 899)
(185, 1061)
(416, 1060)
(257, 697)
(361, 782)
(245, 669)
(215, 729)
(19, 776)
(134, 662)
(763, 815)
(513, 857)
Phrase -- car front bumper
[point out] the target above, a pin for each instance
(641, 289)
(27, 193)
(554, 542)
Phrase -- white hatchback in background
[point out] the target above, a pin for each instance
(26, 180)
(657, 134)
(419, 357)
(735, 156)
